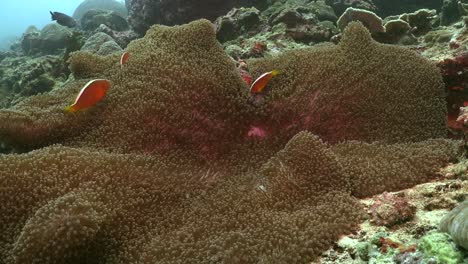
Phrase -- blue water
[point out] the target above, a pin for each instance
(17, 15)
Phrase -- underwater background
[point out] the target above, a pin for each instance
(19, 15)
(234, 131)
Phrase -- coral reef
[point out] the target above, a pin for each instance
(449, 13)
(440, 248)
(299, 12)
(144, 13)
(397, 27)
(166, 168)
(238, 22)
(283, 26)
(120, 37)
(22, 76)
(369, 19)
(93, 18)
(388, 8)
(50, 40)
(454, 70)
(389, 209)
(110, 5)
(403, 243)
(397, 31)
(339, 6)
(101, 44)
(304, 21)
(420, 20)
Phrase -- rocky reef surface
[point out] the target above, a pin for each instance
(356, 155)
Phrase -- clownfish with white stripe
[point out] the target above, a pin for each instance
(91, 93)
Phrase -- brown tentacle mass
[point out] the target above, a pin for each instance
(164, 170)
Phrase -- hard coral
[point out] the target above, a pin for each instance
(420, 21)
(339, 6)
(368, 18)
(144, 13)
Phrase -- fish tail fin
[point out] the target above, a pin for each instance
(275, 72)
(70, 109)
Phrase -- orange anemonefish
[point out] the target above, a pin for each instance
(261, 82)
(124, 58)
(93, 92)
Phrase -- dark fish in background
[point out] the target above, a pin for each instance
(63, 19)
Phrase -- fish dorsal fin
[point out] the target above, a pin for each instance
(84, 88)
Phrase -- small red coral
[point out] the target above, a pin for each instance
(385, 243)
(259, 48)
